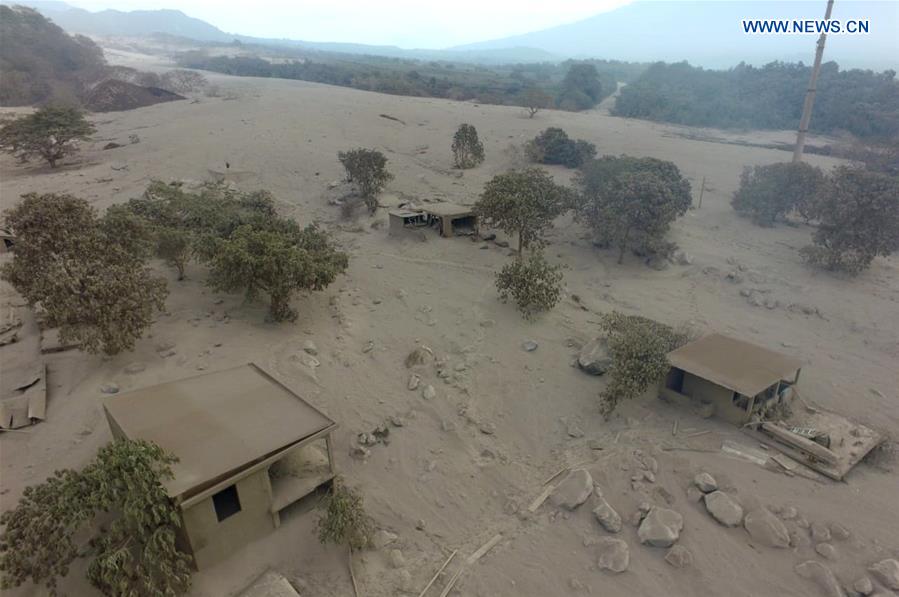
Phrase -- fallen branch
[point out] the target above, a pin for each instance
(484, 549)
(442, 568)
(352, 575)
(452, 581)
(538, 501)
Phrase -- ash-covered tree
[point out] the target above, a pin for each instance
(367, 169)
(468, 151)
(93, 283)
(51, 133)
(343, 519)
(135, 554)
(858, 219)
(631, 202)
(581, 88)
(535, 100)
(522, 202)
(639, 350)
(275, 257)
(183, 81)
(768, 193)
(532, 283)
(554, 146)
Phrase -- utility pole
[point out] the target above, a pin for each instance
(810, 92)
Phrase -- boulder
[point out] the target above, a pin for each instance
(428, 392)
(413, 382)
(839, 532)
(573, 490)
(767, 529)
(820, 532)
(822, 576)
(607, 516)
(679, 557)
(614, 554)
(705, 482)
(826, 551)
(661, 527)
(594, 357)
(723, 508)
(863, 586)
(310, 348)
(887, 573)
(396, 558)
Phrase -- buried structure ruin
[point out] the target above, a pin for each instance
(752, 386)
(247, 448)
(450, 219)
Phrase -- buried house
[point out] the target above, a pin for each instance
(247, 448)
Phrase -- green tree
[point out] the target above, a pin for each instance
(858, 219)
(136, 554)
(532, 283)
(581, 87)
(52, 133)
(553, 146)
(639, 350)
(768, 193)
(367, 168)
(468, 151)
(279, 259)
(631, 202)
(94, 285)
(344, 520)
(523, 202)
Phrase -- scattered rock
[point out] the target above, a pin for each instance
(822, 576)
(723, 508)
(826, 551)
(614, 554)
(863, 586)
(310, 348)
(574, 431)
(839, 532)
(681, 257)
(487, 428)
(405, 581)
(396, 421)
(573, 490)
(418, 357)
(767, 529)
(413, 382)
(735, 276)
(529, 346)
(110, 388)
(383, 538)
(886, 572)
(502, 243)
(360, 452)
(679, 557)
(694, 494)
(135, 368)
(396, 558)
(820, 532)
(428, 392)
(607, 516)
(705, 482)
(661, 527)
(594, 357)
(310, 361)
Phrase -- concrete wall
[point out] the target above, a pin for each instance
(211, 540)
(706, 391)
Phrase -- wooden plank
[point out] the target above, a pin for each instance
(442, 568)
(538, 501)
(806, 445)
(452, 582)
(484, 549)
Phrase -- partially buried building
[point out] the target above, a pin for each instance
(247, 448)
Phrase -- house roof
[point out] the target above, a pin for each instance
(447, 209)
(734, 364)
(216, 424)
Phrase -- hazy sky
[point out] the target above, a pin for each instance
(405, 23)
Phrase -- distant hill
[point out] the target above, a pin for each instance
(709, 34)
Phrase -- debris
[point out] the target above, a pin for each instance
(723, 509)
(614, 555)
(482, 550)
(574, 489)
(679, 556)
(538, 501)
(437, 574)
(886, 572)
(766, 528)
(661, 527)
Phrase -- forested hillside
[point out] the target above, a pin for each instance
(860, 102)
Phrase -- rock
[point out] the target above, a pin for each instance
(607, 516)
(799, 539)
(886, 572)
(822, 576)
(413, 382)
(574, 431)
(573, 490)
(487, 428)
(820, 532)
(767, 529)
(863, 586)
(110, 388)
(789, 513)
(826, 551)
(755, 299)
(396, 558)
(694, 494)
(383, 538)
(735, 276)
(839, 532)
(135, 368)
(614, 554)
(681, 257)
(705, 482)
(594, 357)
(679, 556)
(657, 263)
(489, 236)
(428, 392)
(529, 346)
(723, 509)
(309, 347)
(502, 243)
(661, 527)
(404, 581)
(165, 346)
(360, 452)
(310, 361)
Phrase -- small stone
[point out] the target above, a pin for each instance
(487, 428)
(405, 581)
(789, 513)
(529, 346)
(679, 556)
(383, 538)
(723, 508)
(767, 529)
(820, 532)
(574, 431)
(822, 576)
(651, 478)
(614, 555)
(863, 586)
(694, 494)
(360, 452)
(826, 551)
(886, 572)
(705, 482)
(110, 388)
(799, 539)
(594, 357)
(573, 490)
(661, 527)
(310, 361)
(607, 516)
(447, 425)
(428, 392)
(413, 382)
(502, 243)
(396, 558)
(310, 348)
(839, 532)
(396, 421)
(369, 346)
(135, 368)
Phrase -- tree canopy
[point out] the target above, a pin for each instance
(367, 169)
(554, 146)
(51, 133)
(531, 282)
(581, 88)
(468, 151)
(768, 193)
